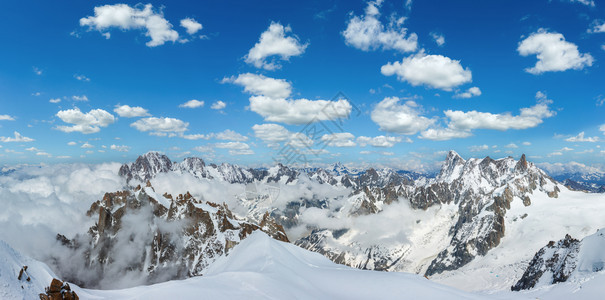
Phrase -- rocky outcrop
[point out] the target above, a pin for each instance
(553, 263)
(562, 260)
(59, 291)
(166, 238)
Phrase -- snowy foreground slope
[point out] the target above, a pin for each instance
(262, 268)
(11, 263)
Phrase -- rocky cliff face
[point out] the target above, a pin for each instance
(160, 237)
(476, 192)
(562, 260)
(480, 189)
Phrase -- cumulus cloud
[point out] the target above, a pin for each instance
(218, 105)
(554, 53)
(478, 148)
(378, 141)
(130, 111)
(120, 148)
(192, 104)
(257, 84)
(585, 2)
(160, 126)
(79, 98)
(16, 138)
(87, 146)
(367, 32)
(229, 135)
(71, 143)
(271, 133)
(81, 77)
(235, 148)
(86, 123)
(339, 139)
(438, 38)
(405, 118)
(191, 25)
(274, 42)
(580, 138)
(299, 111)
(125, 17)
(597, 27)
(435, 71)
(471, 92)
(602, 128)
(462, 123)
(55, 100)
(6, 118)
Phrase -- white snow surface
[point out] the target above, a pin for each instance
(11, 263)
(263, 268)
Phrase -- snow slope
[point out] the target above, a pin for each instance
(262, 268)
(11, 263)
(528, 229)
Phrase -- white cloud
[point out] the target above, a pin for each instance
(32, 149)
(125, 17)
(55, 100)
(257, 84)
(42, 153)
(585, 2)
(438, 38)
(378, 141)
(274, 42)
(436, 71)
(191, 25)
(6, 118)
(79, 98)
(400, 118)
(564, 149)
(339, 139)
(232, 145)
(597, 27)
(444, 134)
(130, 111)
(229, 135)
(218, 105)
(17, 138)
(471, 92)
(271, 133)
(570, 167)
(478, 148)
(300, 140)
(554, 53)
(526, 144)
(37, 71)
(196, 136)
(556, 153)
(511, 146)
(71, 143)
(86, 123)
(160, 126)
(580, 138)
(300, 111)
(81, 77)
(602, 128)
(462, 123)
(121, 148)
(192, 104)
(87, 146)
(367, 32)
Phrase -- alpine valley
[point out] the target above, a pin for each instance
(495, 228)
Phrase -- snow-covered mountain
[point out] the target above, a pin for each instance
(153, 238)
(567, 259)
(383, 219)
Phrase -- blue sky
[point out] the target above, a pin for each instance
(90, 81)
